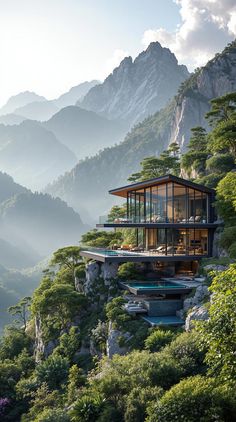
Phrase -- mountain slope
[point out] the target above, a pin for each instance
(39, 221)
(11, 119)
(75, 94)
(84, 132)
(13, 257)
(138, 88)
(20, 100)
(90, 180)
(9, 188)
(32, 154)
(38, 110)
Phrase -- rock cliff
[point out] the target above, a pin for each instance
(138, 88)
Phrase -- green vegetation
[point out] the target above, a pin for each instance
(166, 374)
(167, 162)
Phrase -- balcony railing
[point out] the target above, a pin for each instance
(153, 219)
(162, 250)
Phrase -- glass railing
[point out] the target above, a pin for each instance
(162, 250)
(155, 219)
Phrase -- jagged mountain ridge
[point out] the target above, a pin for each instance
(90, 180)
(137, 89)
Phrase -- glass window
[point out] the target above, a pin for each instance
(169, 201)
(148, 205)
(179, 204)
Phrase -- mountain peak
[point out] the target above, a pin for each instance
(137, 88)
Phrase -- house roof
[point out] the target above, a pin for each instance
(122, 191)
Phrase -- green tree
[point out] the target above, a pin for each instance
(152, 167)
(57, 306)
(194, 399)
(196, 156)
(219, 332)
(76, 379)
(158, 339)
(222, 117)
(226, 198)
(68, 256)
(13, 342)
(21, 310)
(54, 371)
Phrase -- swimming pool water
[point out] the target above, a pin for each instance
(155, 285)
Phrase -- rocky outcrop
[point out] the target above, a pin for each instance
(200, 294)
(138, 88)
(40, 348)
(217, 78)
(198, 313)
(109, 271)
(113, 342)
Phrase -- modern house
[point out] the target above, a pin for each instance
(173, 222)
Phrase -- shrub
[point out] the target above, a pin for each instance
(128, 271)
(232, 250)
(186, 352)
(137, 402)
(54, 371)
(53, 415)
(228, 237)
(195, 399)
(220, 163)
(158, 339)
(87, 408)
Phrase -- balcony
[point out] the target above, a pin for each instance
(153, 219)
(162, 252)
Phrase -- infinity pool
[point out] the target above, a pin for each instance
(155, 287)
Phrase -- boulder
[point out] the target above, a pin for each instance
(198, 313)
(112, 345)
(201, 293)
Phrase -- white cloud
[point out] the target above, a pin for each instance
(206, 27)
(114, 61)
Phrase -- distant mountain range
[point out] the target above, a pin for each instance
(90, 180)
(20, 100)
(139, 88)
(32, 154)
(28, 105)
(76, 93)
(84, 132)
(33, 225)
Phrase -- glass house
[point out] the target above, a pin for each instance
(173, 219)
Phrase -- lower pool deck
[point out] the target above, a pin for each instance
(163, 321)
(158, 287)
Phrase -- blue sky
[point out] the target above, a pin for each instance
(47, 46)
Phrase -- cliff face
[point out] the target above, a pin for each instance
(90, 180)
(217, 78)
(138, 88)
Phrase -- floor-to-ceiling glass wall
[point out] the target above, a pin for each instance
(167, 203)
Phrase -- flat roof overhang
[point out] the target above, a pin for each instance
(140, 258)
(160, 225)
(122, 191)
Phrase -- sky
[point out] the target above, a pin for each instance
(48, 46)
